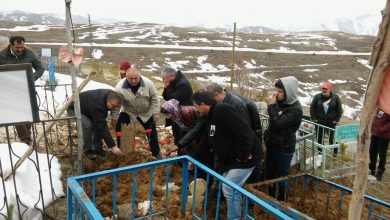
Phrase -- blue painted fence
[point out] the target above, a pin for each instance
(82, 206)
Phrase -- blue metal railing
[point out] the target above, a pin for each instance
(80, 205)
(332, 166)
(308, 192)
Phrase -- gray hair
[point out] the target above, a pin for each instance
(214, 87)
(137, 70)
(115, 96)
(168, 71)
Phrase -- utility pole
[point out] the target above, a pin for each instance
(90, 34)
(233, 57)
(72, 71)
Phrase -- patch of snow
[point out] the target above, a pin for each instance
(171, 52)
(97, 53)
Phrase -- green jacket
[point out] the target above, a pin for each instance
(28, 56)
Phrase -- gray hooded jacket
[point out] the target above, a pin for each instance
(284, 119)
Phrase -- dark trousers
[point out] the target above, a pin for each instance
(277, 165)
(150, 124)
(24, 132)
(322, 131)
(177, 134)
(379, 147)
(91, 137)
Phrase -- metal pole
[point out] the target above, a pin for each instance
(233, 57)
(90, 34)
(72, 71)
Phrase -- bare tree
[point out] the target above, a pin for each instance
(380, 61)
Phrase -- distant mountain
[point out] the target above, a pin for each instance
(363, 25)
(30, 17)
(258, 30)
(251, 29)
(45, 18)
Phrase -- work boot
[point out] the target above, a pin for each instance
(379, 175)
(100, 152)
(90, 154)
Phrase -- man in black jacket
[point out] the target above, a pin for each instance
(285, 116)
(223, 96)
(17, 53)
(232, 141)
(94, 105)
(248, 110)
(326, 109)
(176, 86)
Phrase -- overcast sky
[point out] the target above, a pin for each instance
(209, 13)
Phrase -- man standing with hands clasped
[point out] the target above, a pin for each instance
(176, 86)
(326, 110)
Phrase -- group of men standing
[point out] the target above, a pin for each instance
(228, 123)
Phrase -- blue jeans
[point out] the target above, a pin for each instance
(277, 165)
(237, 176)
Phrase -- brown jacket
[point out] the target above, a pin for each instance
(380, 126)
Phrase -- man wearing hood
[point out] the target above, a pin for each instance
(285, 116)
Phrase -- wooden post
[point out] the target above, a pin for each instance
(128, 138)
(233, 57)
(72, 71)
(380, 60)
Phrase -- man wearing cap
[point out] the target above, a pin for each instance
(124, 65)
(326, 110)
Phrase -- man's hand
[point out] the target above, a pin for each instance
(116, 150)
(155, 117)
(271, 99)
(171, 150)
